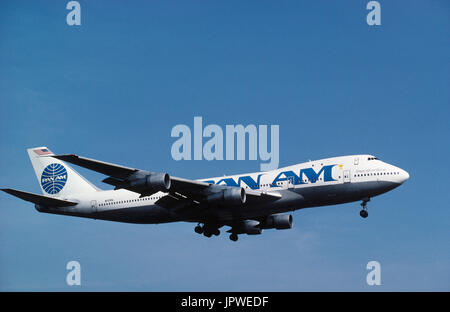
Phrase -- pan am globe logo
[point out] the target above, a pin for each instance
(53, 178)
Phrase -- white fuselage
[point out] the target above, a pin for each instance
(314, 183)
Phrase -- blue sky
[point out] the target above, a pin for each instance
(113, 88)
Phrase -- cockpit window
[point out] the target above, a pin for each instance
(372, 158)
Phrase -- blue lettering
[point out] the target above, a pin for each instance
(228, 181)
(310, 173)
(248, 180)
(288, 175)
(313, 176)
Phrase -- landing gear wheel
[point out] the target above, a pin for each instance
(233, 237)
(198, 229)
(217, 232)
(363, 213)
(207, 234)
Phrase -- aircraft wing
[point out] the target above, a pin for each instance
(197, 192)
(112, 170)
(181, 190)
(39, 199)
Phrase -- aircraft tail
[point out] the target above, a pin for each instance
(55, 177)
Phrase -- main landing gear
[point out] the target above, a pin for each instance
(363, 213)
(207, 231)
(198, 229)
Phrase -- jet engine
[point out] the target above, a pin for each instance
(230, 196)
(278, 221)
(251, 227)
(154, 181)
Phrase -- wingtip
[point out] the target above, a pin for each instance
(8, 190)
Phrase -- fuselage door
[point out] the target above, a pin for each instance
(290, 182)
(94, 206)
(347, 176)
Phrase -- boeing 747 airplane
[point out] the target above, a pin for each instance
(248, 203)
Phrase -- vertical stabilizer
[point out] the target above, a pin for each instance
(55, 177)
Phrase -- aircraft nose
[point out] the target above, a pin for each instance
(404, 175)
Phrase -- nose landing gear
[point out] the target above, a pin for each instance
(363, 213)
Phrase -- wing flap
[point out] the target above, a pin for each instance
(255, 196)
(195, 190)
(39, 199)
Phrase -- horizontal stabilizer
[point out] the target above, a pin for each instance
(39, 199)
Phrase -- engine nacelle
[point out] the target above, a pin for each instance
(279, 222)
(251, 227)
(230, 196)
(154, 181)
